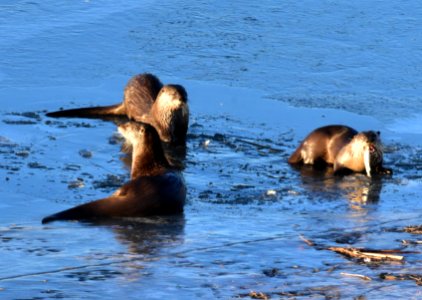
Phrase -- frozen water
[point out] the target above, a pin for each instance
(407, 125)
(260, 76)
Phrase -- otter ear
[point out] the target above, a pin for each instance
(378, 133)
(141, 131)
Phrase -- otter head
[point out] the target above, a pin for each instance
(171, 114)
(373, 154)
(148, 156)
(133, 132)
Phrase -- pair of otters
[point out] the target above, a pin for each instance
(159, 144)
(157, 118)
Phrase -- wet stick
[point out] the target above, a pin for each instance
(415, 277)
(356, 276)
(360, 253)
(417, 229)
(308, 242)
(364, 254)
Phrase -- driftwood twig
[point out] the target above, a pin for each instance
(307, 241)
(258, 295)
(416, 277)
(362, 253)
(367, 254)
(416, 229)
(356, 276)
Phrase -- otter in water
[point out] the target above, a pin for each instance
(344, 148)
(154, 189)
(146, 100)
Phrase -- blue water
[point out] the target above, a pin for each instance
(262, 74)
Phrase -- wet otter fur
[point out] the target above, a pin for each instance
(154, 189)
(344, 148)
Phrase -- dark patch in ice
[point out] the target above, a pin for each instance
(79, 183)
(66, 124)
(274, 272)
(22, 153)
(6, 143)
(37, 165)
(85, 153)
(116, 139)
(71, 167)
(94, 275)
(29, 114)
(19, 122)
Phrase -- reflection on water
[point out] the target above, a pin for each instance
(144, 240)
(146, 235)
(357, 188)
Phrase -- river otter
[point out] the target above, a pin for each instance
(344, 148)
(146, 100)
(154, 189)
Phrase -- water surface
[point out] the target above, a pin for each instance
(259, 77)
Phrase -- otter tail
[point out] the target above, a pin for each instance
(296, 157)
(96, 209)
(55, 217)
(76, 213)
(90, 112)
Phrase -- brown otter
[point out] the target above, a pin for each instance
(154, 189)
(344, 148)
(146, 100)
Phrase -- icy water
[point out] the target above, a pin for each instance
(260, 76)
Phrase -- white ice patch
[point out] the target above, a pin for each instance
(408, 125)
